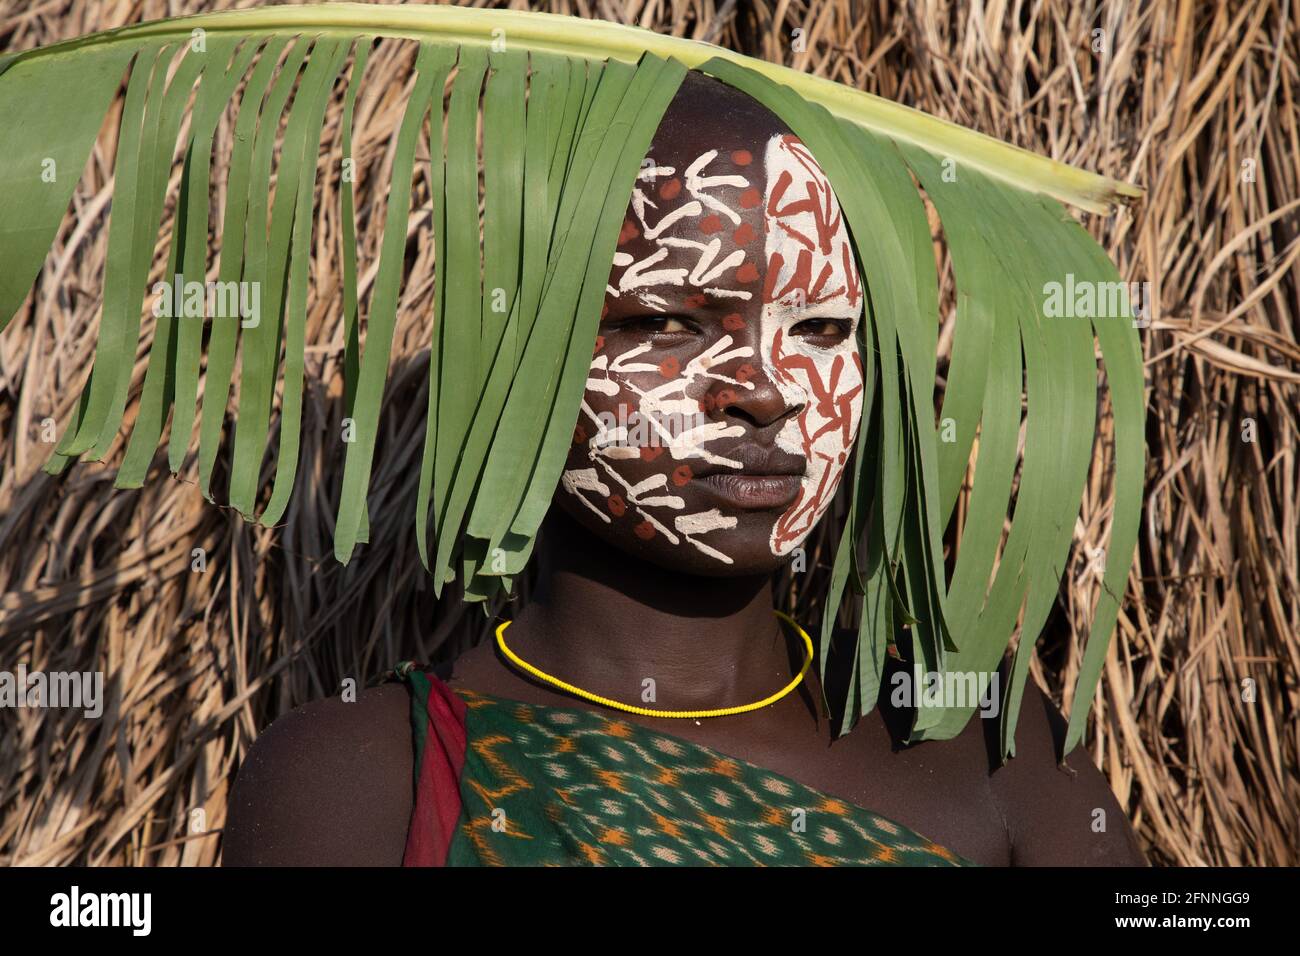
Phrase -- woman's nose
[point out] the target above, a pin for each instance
(753, 394)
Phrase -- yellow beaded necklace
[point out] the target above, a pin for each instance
(648, 712)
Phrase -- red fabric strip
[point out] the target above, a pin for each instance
(437, 793)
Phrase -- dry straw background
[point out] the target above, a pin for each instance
(1194, 101)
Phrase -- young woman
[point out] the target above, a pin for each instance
(720, 412)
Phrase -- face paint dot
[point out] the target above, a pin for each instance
(742, 157)
(750, 198)
(733, 322)
(710, 224)
(840, 458)
(579, 435)
(725, 397)
(747, 273)
(651, 452)
(669, 367)
(745, 372)
(628, 232)
(744, 234)
(600, 344)
(645, 531)
(617, 506)
(707, 403)
(670, 189)
(696, 301)
(682, 474)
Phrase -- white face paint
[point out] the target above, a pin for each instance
(810, 274)
(700, 241)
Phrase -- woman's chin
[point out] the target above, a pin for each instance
(742, 566)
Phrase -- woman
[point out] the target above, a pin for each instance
(725, 392)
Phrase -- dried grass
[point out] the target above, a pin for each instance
(1186, 99)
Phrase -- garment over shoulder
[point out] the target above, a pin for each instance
(501, 782)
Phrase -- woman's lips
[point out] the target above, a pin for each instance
(756, 492)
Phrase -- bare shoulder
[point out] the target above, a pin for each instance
(1059, 814)
(328, 784)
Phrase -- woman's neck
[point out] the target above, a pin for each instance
(608, 623)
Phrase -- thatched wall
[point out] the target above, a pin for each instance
(1196, 103)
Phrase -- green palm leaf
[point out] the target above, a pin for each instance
(568, 111)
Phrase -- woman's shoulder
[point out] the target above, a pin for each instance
(1051, 812)
(1060, 812)
(326, 784)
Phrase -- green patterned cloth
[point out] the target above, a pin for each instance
(555, 786)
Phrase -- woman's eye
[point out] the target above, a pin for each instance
(827, 330)
(662, 324)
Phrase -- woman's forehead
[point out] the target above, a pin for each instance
(746, 218)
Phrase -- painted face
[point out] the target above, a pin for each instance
(726, 386)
